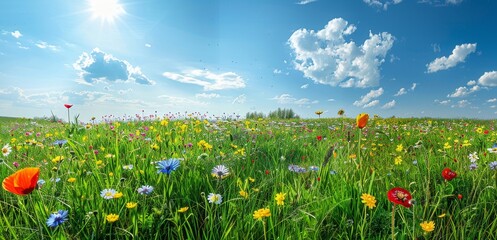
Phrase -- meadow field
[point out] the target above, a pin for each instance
(193, 177)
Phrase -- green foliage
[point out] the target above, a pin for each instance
(321, 204)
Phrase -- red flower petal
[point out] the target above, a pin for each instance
(400, 196)
(448, 174)
(22, 182)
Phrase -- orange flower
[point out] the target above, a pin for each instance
(362, 120)
(22, 182)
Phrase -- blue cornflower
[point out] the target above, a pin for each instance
(314, 168)
(57, 218)
(40, 183)
(296, 168)
(60, 142)
(493, 165)
(167, 166)
(145, 189)
(473, 166)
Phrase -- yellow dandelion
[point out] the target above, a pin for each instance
(71, 180)
(112, 217)
(398, 160)
(427, 226)
(280, 199)
(369, 200)
(243, 194)
(118, 195)
(58, 159)
(183, 209)
(261, 213)
(131, 205)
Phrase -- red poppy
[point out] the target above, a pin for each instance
(400, 196)
(68, 105)
(319, 138)
(448, 174)
(22, 182)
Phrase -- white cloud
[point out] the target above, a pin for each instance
(304, 2)
(45, 45)
(436, 47)
(174, 101)
(207, 95)
(289, 99)
(381, 4)
(99, 66)
(389, 105)
(463, 91)
(371, 104)
(148, 45)
(461, 104)
(444, 102)
(16, 34)
(471, 83)
(331, 100)
(276, 71)
(401, 92)
(240, 99)
(304, 86)
(366, 99)
(488, 79)
(442, 2)
(492, 100)
(327, 58)
(458, 55)
(413, 86)
(208, 80)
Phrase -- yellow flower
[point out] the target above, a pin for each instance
(118, 195)
(447, 145)
(280, 198)
(479, 130)
(131, 205)
(58, 159)
(183, 209)
(111, 174)
(428, 226)
(155, 146)
(112, 217)
(399, 148)
(263, 212)
(398, 160)
(243, 194)
(71, 180)
(369, 200)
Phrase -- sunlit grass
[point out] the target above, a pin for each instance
(317, 164)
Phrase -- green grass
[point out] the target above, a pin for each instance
(322, 204)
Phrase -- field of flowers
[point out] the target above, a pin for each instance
(193, 177)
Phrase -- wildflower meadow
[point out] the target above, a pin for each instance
(190, 176)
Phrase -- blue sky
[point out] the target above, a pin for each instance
(426, 58)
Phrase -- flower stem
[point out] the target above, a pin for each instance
(393, 222)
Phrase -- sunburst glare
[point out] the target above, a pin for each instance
(106, 10)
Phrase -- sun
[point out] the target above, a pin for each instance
(106, 10)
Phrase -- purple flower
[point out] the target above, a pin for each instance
(145, 189)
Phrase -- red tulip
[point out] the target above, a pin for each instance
(400, 196)
(362, 120)
(68, 105)
(448, 174)
(22, 182)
